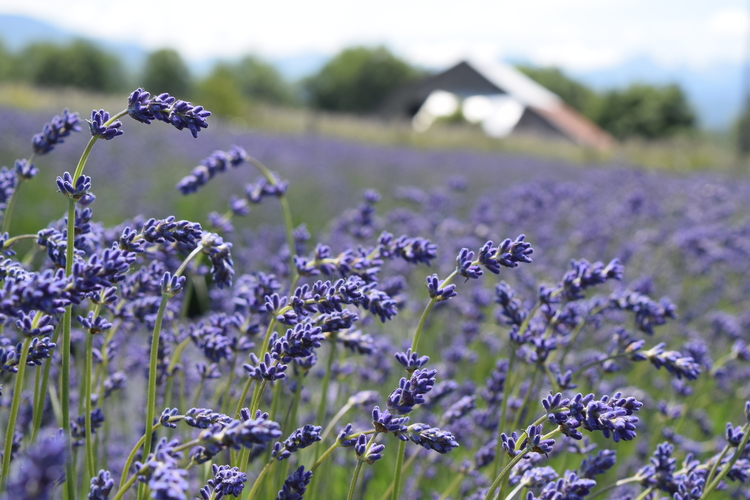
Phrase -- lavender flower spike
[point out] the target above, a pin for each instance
(101, 129)
(53, 132)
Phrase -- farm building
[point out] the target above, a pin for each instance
(499, 97)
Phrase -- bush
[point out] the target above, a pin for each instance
(165, 71)
(80, 64)
(645, 111)
(575, 94)
(358, 79)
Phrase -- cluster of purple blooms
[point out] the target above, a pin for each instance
(244, 359)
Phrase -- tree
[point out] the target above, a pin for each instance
(258, 80)
(358, 79)
(80, 64)
(220, 94)
(8, 64)
(575, 94)
(165, 71)
(742, 131)
(645, 111)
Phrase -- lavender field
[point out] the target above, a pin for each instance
(325, 320)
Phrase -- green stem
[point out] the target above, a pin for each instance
(342, 411)
(14, 412)
(504, 411)
(243, 397)
(405, 468)
(125, 487)
(613, 486)
(67, 320)
(152, 376)
(324, 391)
(132, 454)
(594, 363)
(90, 460)
(515, 490)
(728, 466)
(715, 466)
(39, 406)
(454, 484)
(333, 447)
(526, 398)
(257, 397)
(502, 478)
(646, 493)
(259, 479)
(12, 201)
(288, 223)
(187, 260)
(358, 468)
(10, 241)
(399, 466)
(504, 473)
(225, 396)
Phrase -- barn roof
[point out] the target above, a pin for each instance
(545, 112)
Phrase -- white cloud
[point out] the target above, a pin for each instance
(730, 22)
(576, 56)
(574, 34)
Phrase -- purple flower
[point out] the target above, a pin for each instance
(509, 254)
(370, 456)
(101, 486)
(41, 468)
(226, 481)
(220, 256)
(411, 392)
(185, 115)
(432, 438)
(386, 422)
(411, 360)
(437, 291)
(24, 169)
(297, 440)
(216, 163)
(53, 132)
(71, 189)
(99, 127)
(295, 485)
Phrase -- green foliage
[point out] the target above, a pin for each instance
(575, 94)
(645, 111)
(258, 80)
(165, 71)
(79, 64)
(8, 64)
(220, 94)
(358, 79)
(742, 132)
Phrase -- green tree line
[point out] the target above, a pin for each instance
(354, 81)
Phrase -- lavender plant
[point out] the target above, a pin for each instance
(485, 376)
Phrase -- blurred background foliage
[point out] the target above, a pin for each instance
(358, 79)
(341, 97)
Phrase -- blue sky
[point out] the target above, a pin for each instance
(579, 35)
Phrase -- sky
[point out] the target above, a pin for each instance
(578, 35)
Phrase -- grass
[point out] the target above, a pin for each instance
(697, 151)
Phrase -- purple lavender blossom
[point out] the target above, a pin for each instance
(217, 162)
(371, 455)
(295, 485)
(53, 132)
(226, 481)
(101, 129)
